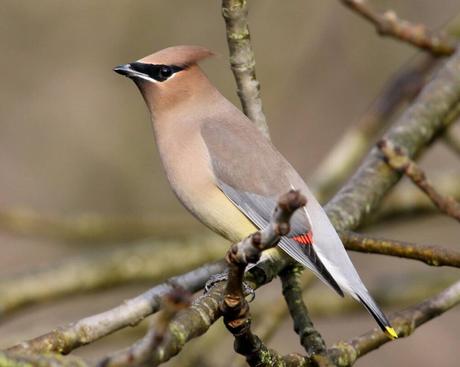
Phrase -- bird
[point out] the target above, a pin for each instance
(228, 174)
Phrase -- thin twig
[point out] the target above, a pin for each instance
(242, 61)
(277, 312)
(431, 255)
(400, 162)
(310, 338)
(388, 24)
(129, 313)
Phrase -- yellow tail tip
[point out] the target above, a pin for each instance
(391, 333)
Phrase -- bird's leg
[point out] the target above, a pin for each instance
(223, 277)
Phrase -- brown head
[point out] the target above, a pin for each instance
(169, 77)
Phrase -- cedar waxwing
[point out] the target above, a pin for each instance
(228, 174)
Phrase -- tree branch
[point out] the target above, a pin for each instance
(431, 255)
(397, 159)
(388, 24)
(67, 338)
(242, 61)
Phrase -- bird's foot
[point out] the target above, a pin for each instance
(214, 279)
(223, 277)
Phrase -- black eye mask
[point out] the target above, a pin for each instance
(158, 72)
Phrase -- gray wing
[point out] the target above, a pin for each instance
(258, 209)
(253, 174)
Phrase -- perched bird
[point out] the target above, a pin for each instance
(228, 174)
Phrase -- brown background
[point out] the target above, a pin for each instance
(75, 137)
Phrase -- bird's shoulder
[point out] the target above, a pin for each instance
(243, 158)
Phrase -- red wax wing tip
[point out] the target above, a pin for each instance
(304, 239)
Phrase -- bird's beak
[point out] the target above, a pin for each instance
(125, 70)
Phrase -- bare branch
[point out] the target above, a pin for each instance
(388, 24)
(405, 322)
(431, 255)
(400, 162)
(242, 61)
(190, 323)
(129, 313)
(152, 260)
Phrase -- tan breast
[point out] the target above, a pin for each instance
(187, 165)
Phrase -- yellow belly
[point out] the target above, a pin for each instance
(219, 214)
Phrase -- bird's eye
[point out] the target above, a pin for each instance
(165, 72)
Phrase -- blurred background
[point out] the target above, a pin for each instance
(75, 138)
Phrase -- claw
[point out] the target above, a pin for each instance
(214, 279)
(249, 292)
(223, 277)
